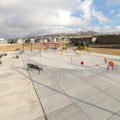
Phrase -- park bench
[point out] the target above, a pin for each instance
(1, 55)
(33, 66)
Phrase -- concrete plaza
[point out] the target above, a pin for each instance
(65, 90)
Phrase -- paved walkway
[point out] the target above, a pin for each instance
(64, 91)
(18, 100)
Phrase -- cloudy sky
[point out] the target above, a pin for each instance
(21, 17)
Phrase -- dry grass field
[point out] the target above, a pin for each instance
(16, 47)
(110, 51)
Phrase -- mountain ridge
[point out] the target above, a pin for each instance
(5, 36)
(45, 34)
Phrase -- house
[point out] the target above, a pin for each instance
(45, 40)
(20, 41)
(3, 41)
(32, 40)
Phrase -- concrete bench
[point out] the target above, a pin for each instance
(33, 66)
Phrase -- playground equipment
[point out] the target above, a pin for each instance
(82, 62)
(105, 60)
(51, 45)
(78, 53)
(110, 64)
(62, 45)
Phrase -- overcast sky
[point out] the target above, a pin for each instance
(21, 17)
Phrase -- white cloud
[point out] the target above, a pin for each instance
(112, 11)
(113, 2)
(9, 3)
(89, 12)
(118, 15)
(86, 8)
(102, 18)
(118, 27)
(23, 16)
(106, 29)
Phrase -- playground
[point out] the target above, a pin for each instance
(74, 85)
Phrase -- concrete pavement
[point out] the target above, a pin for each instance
(63, 91)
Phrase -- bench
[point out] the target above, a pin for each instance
(33, 66)
(1, 55)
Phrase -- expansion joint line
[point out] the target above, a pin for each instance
(38, 97)
(35, 91)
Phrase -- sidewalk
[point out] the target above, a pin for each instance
(18, 100)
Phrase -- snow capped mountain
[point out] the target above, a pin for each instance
(5, 36)
(49, 33)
